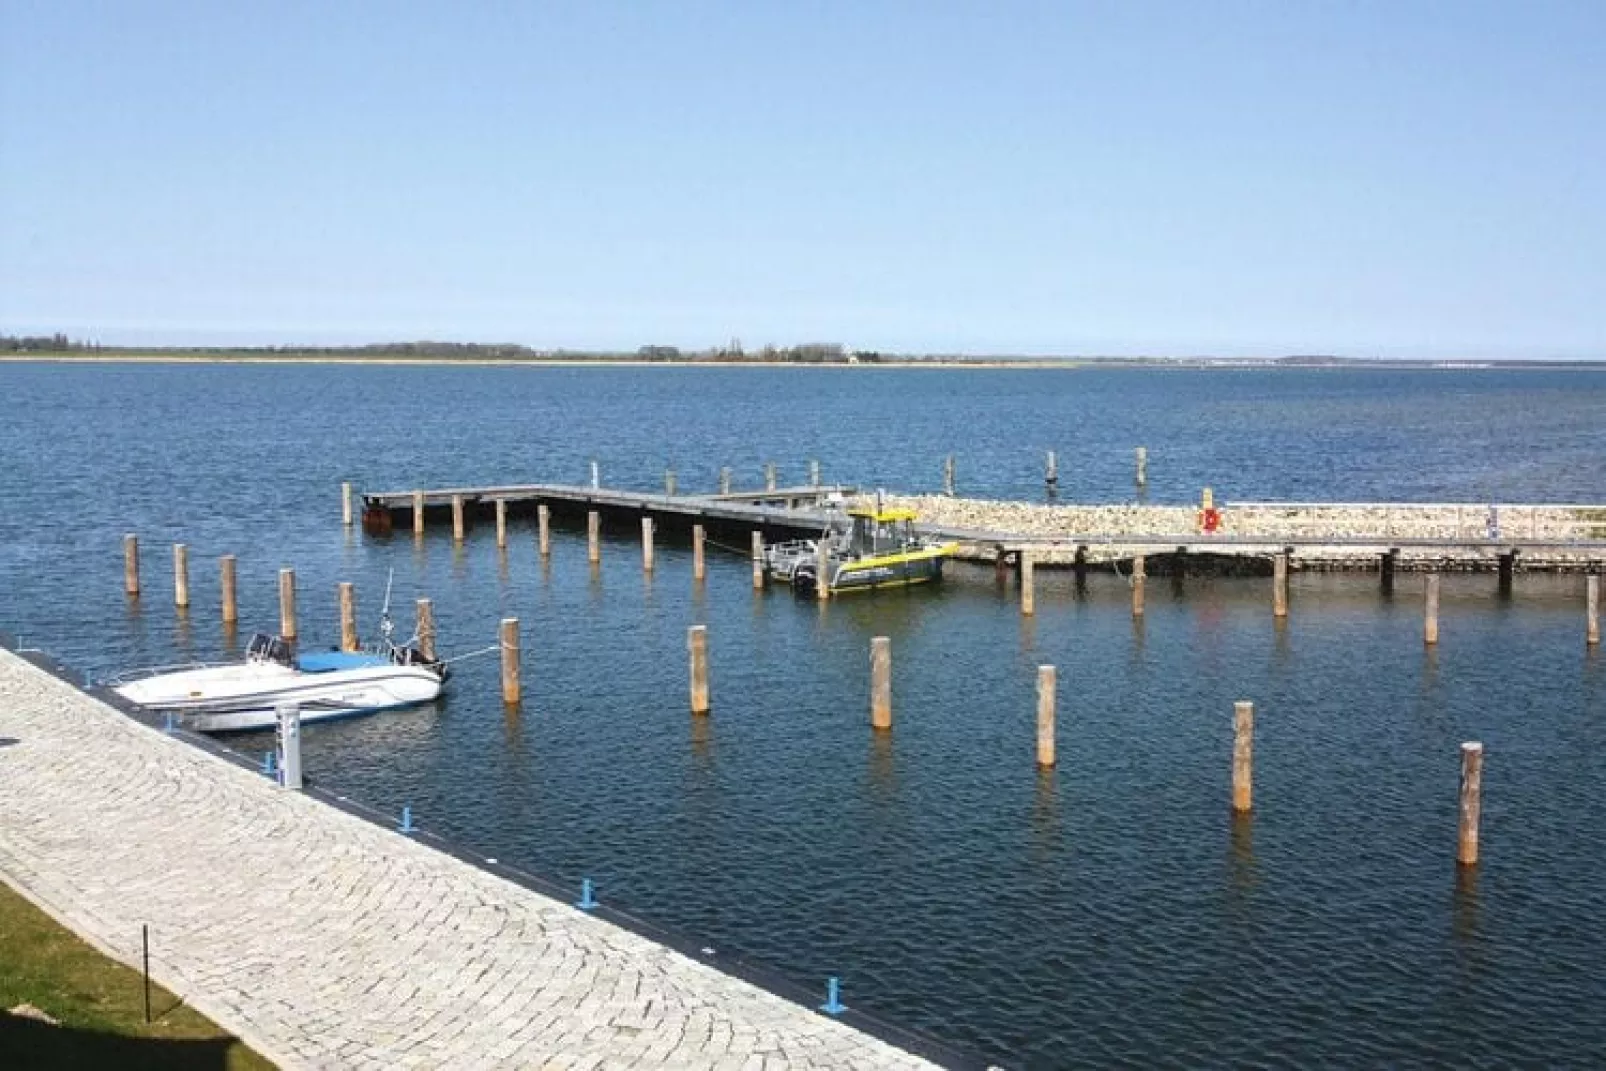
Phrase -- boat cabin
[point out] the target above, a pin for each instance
(880, 531)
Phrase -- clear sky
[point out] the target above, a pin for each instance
(1393, 178)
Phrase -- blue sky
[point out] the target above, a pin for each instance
(1393, 178)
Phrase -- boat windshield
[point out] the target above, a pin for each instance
(264, 648)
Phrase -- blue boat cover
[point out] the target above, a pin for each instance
(329, 661)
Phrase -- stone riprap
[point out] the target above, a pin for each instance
(325, 941)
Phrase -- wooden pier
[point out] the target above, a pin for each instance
(1253, 537)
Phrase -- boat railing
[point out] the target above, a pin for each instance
(129, 676)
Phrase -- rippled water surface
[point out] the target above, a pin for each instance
(1110, 911)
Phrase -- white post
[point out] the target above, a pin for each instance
(289, 715)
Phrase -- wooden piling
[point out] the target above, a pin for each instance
(1508, 565)
(345, 504)
(1046, 687)
(1028, 594)
(457, 518)
(1243, 755)
(1466, 852)
(543, 521)
(669, 482)
(1143, 466)
(1139, 578)
(1385, 568)
(646, 545)
(181, 576)
(1430, 617)
(225, 574)
(758, 560)
(510, 660)
(881, 683)
(501, 523)
(426, 629)
(1592, 609)
(593, 537)
(822, 570)
(1279, 585)
(1051, 471)
(418, 513)
(769, 475)
(348, 617)
(287, 603)
(725, 481)
(699, 569)
(130, 564)
(697, 647)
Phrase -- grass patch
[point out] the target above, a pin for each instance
(99, 1003)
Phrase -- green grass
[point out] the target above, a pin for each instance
(99, 1003)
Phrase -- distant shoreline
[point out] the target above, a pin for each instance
(1160, 364)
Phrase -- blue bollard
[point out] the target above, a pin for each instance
(586, 901)
(833, 991)
(270, 764)
(407, 821)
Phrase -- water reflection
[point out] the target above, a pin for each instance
(882, 772)
(1045, 818)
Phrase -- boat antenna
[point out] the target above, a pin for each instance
(386, 627)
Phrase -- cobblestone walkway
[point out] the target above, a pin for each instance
(324, 941)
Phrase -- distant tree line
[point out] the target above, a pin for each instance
(57, 343)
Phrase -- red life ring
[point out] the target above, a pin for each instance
(1209, 519)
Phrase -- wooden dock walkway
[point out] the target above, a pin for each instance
(325, 938)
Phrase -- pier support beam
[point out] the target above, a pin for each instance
(348, 616)
(225, 578)
(543, 521)
(1080, 565)
(1279, 585)
(1508, 565)
(457, 518)
(181, 576)
(1466, 851)
(758, 560)
(131, 564)
(426, 629)
(699, 569)
(881, 683)
(1430, 610)
(501, 524)
(646, 545)
(1028, 579)
(1139, 580)
(287, 604)
(697, 648)
(1592, 609)
(1243, 756)
(593, 537)
(1046, 687)
(418, 513)
(345, 504)
(1385, 569)
(511, 692)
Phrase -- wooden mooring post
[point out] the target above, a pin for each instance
(543, 523)
(822, 570)
(226, 582)
(697, 648)
(418, 513)
(1466, 851)
(1243, 756)
(345, 504)
(1592, 609)
(1430, 614)
(501, 524)
(511, 691)
(1279, 585)
(699, 568)
(348, 616)
(287, 603)
(181, 576)
(457, 518)
(593, 537)
(1139, 579)
(881, 683)
(1142, 456)
(131, 564)
(758, 560)
(646, 545)
(1028, 584)
(1046, 687)
(426, 629)
(1051, 473)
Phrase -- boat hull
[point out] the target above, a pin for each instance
(243, 698)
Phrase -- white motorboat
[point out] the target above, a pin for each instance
(238, 696)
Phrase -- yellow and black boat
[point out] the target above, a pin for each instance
(880, 549)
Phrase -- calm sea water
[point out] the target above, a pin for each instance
(1109, 912)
